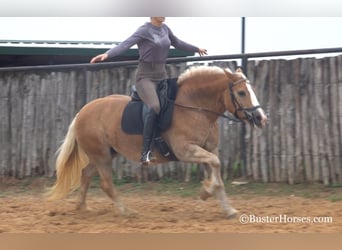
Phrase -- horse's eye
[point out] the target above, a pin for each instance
(241, 93)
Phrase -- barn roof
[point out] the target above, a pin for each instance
(39, 52)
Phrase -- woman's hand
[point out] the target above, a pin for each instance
(202, 52)
(99, 58)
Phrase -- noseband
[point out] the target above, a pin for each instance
(248, 112)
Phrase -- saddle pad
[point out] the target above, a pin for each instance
(132, 122)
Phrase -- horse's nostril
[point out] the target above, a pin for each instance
(257, 116)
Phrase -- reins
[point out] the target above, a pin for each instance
(199, 109)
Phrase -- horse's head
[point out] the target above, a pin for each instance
(241, 100)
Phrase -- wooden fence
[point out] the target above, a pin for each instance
(303, 139)
(301, 143)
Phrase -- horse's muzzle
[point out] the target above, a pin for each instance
(256, 117)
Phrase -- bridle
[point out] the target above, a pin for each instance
(237, 106)
(248, 112)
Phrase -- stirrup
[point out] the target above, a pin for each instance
(163, 147)
(146, 157)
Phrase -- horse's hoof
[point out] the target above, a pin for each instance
(204, 195)
(81, 208)
(231, 213)
(131, 213)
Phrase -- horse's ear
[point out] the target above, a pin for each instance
(228, 71)
(239, 70)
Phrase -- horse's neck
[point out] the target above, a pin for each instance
(206, 96)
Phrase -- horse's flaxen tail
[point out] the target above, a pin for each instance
(69, 164)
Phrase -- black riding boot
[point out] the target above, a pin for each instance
(149, 128)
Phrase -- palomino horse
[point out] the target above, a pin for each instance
(95, 135)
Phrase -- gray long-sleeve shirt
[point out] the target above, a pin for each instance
(153, 43)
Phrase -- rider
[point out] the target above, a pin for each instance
(153, 39)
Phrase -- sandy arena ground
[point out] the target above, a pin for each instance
(24, 210)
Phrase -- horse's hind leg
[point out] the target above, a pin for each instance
(105, 171)
(87, 174)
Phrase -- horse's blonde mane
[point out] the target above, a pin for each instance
(200, 72)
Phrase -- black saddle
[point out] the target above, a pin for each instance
(134, 114)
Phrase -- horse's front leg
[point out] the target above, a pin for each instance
(214, 185)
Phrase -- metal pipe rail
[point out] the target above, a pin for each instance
(104, 65)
